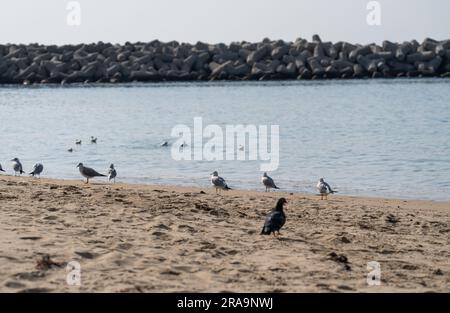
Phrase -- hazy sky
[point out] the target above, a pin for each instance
(45, 21)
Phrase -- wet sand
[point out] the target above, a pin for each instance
(141, 238)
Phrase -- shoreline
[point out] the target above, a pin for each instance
(152, 238)
(192, 188)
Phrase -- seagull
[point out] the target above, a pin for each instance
(218, 182)
(184, 145)
(268, 182)
(1, 169)
(112, 173)
(324, 188)
(88, 172)
(275, 220)
(78, 142)
(93, 139)
(241, 148)
(70, 150)
(17, 166)
(164, 144)
(37, 170)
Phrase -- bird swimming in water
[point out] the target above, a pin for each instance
(324, 189)
(93, 139)
(37, 170)
(112, 173)
(268, 182)
(1, 169)
(17, 166)
(275, 220)
(88, 172)
(218, 182)
(78, 142)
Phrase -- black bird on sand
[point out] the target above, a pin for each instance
(275, 220)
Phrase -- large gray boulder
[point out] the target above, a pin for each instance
(257, 55)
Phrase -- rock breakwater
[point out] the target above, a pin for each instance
(266, 60)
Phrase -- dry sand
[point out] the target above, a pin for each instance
(135, 238)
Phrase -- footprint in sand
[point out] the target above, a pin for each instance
(35, 290)
(186, 227)
(86, 254)
(50, 218)
(14, 285)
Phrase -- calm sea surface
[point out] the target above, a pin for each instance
(386, 138)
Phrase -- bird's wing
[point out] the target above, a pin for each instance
(38, 168)
(274, 220)
(219, 181)
(328, 187)
(269, 182)
(91, 172)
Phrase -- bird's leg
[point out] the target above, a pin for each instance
(87, 180)
(274, 235)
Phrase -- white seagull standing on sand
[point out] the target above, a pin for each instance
(218, 182)
(37, 170)
(324, 188)
(112, 173)
(88, 172)
(268, 182)
(17, 166)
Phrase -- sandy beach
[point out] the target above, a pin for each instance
(142, 238)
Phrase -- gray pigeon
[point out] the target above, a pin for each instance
(112, 173)
(88, 172)
(324, 189)
(275, 220)
(1, 169)
(17, 166)
(268, 182)
(218, 182)
(37, 170)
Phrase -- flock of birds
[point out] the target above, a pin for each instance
(272, 225)
(276, 218)
(86, 172)
(219, 183)
(18, 168)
